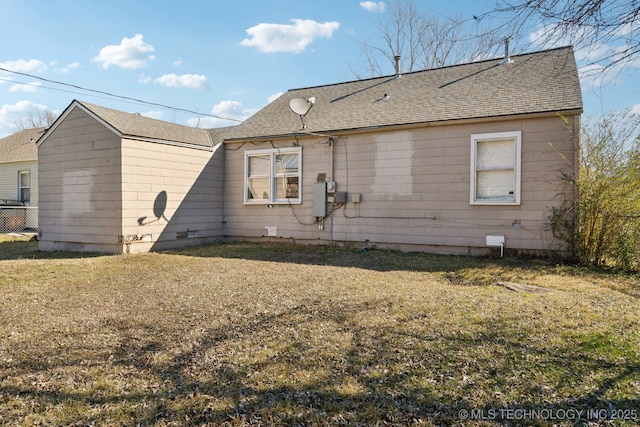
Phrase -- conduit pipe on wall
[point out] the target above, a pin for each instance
(331, 168)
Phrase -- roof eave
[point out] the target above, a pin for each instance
(168, 142)
(447, 122)
(74, 104)
(77, 104)
(7, 162)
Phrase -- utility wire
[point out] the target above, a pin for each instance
(139, 101)
(39, 86)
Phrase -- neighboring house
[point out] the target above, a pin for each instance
(19, 181)
(452, 160)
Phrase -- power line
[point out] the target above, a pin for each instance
(112, 95)
(107, 95)
(39, 86)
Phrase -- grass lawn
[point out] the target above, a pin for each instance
(240, 334)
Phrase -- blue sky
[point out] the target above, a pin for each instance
(225, 59)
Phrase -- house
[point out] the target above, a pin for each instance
(461, 159)
(18, 181)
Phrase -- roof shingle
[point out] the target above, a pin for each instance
(545, 81)
(20, 146)
(132, 124)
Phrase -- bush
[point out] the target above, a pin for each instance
(602, 225)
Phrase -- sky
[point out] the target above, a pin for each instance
(212, 63)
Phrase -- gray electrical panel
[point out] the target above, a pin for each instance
(319, 199)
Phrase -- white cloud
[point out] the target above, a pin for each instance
(622, 54)
(292, 38)
(602, 64)
(144, 78)
(154, 114)
(595, 76)
(25, 87)
(24, 65)
(274, 97)
(593, 52)
(229, 109)
(69, 67)
(371, 6)
(587, 47)
(130, 53)
(190, 81)
(177, 62)
(11, 115)
(599, 64)
(628, 29)
(224, 110)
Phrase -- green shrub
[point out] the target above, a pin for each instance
(602, 224)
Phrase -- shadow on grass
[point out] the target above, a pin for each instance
(26, 249)
(261, 369)
(383, 260)
(372, 259)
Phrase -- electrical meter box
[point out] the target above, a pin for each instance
(331, 192)
(319, 199)
(341, 197)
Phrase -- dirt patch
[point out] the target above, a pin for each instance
(521, 287)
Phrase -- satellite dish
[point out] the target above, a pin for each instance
(301, 106)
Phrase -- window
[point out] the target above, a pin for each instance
(273, 176)
(24, 186)
(495, 168)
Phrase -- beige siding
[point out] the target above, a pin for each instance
(168, 191)
(414, 186)
(112, 195)
(292, 221)
(80, 190)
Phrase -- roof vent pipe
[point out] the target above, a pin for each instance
(397, 59)
(507, 58)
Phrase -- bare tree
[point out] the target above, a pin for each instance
(424, 42)
(607, 30)
(39, 119)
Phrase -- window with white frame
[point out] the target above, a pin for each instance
(273, 176)
(495, 168)
(24, 186)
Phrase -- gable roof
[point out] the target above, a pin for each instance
(136, 126)
(539, 82)
(21, 146)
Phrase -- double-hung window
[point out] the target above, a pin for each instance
(495, 168)
(273, 176)
(24, 186)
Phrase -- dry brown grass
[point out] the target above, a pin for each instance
(289, 335)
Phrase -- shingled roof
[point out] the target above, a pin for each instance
(539, 82)
(20, 146)
(135, 125)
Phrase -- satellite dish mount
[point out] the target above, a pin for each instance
(301, 107)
